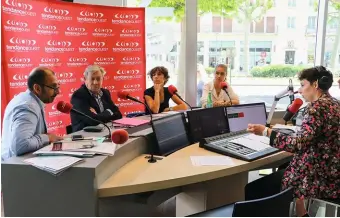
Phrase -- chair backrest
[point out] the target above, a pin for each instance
(69, 129)
(264, 187)
(274, 206)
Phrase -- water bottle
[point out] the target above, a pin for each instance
(299, 119)
(209, 101)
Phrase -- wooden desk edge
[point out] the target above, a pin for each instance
(181, 181)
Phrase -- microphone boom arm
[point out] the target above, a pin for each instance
(97, 121)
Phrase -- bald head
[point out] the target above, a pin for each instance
(43, 83)
(38, 76)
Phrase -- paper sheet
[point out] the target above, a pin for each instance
(53, 164)
(211, 161)
(131, 121)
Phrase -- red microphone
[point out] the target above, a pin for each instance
(126, 95)
(173, 91)
(292, 109)
(120, 136)
(64, 107)
(224, 86)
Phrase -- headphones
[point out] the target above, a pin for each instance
(325, 82)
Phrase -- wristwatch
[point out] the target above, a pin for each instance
(265, 132)
(171, 109)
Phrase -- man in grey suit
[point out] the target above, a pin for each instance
(24, 125)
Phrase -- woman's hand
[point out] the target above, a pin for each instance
(257, 129)
(158, 87)
(218, 103)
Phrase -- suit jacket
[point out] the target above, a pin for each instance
(82, 100)
(24, 126)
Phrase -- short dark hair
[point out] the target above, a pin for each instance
(162, 70)
(37, 76)
(320, 74)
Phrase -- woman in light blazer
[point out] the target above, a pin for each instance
(219, 96)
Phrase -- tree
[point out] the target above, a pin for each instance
(203, 6)
(248, 12)
(334, 17)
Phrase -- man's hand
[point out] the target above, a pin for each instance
(93, 110)
(54, 138)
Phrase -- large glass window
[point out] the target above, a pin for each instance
(266, 47)
(332, 41)
(164, 35)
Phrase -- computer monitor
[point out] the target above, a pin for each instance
(171, 134)
(239, 116)
(206, 123)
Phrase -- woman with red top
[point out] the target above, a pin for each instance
(314, 171)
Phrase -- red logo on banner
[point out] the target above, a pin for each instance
(68, 37)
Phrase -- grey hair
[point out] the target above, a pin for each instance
(223, 66)
(93, 68)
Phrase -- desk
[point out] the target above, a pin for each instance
(94, 187)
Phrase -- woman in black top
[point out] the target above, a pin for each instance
(158, 96)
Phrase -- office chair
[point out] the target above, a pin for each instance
(277, 205)
(263, 187)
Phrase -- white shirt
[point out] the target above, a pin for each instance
(221, 97)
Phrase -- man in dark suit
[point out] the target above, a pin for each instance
(93, 100)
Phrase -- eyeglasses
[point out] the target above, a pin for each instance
(56, 89)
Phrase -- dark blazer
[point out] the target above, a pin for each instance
(82, 100)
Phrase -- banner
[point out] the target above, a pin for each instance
(67, 37)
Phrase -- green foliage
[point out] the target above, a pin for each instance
(276, 71)
(204, 6)
(210, 70)
(250, 10)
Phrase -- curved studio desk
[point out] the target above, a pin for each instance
(126, 184)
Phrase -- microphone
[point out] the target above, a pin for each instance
(289, 90)
(292, 109)
(173, 91)
(66, 108)
(224, 86)
(120, 136)
(125, 95)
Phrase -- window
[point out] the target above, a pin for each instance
(270, 25)
(216, 24)
(227, 25)
(311, 22)
(259, 26)
(258, 67)
(291, 22)
(291, 3)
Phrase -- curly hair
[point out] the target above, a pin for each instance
(161, 70)
(318, 74)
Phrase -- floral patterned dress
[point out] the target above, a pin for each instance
(315, 168)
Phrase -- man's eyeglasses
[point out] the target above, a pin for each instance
(56, 89)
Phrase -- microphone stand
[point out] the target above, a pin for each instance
(272, 110)
(108, 137)
(151, 159)
(231, 103)
(183, 100)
